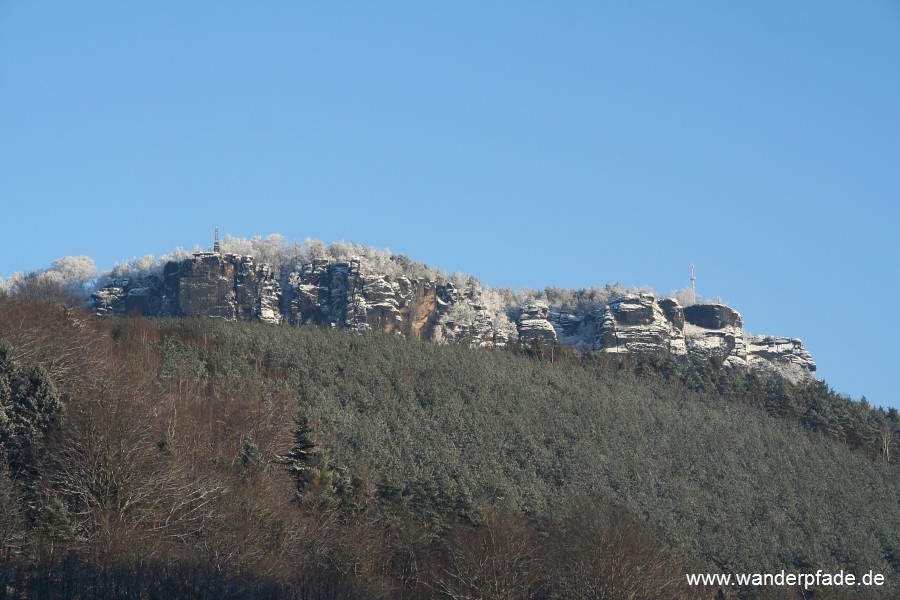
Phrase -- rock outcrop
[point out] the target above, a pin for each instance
(642, 323)
(534, 324)
(227, 286)
(638, 323)
(785, 355)
(208, 284)
(467, 319)
(341, 294)
(715, 331)
(126, 295)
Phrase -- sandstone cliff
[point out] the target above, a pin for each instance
(340, 293)
(639, 323)
(208, 284)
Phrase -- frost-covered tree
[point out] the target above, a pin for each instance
(69, 275)
(462, 313)
(143, 266)
(685, 297)
(75, 273)
(236, 245)
(8, 285)
(314, 249)
(272, 250)
(285, 257)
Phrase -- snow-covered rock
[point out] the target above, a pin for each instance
(638, 323)
(208, 284)
(126, 295)
(788, 356)
(469, 317)
(107, 299)
(228, 286)
(534, 324)
(343, 294)
(715, 331)
(340, 295)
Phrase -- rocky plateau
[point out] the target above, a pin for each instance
(341, 294)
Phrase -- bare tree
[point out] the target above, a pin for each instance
(498, 560)
(10, 513)
(887, 435)
(600, 552)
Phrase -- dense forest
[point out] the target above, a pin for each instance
(206, 459)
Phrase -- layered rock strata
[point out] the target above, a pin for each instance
(788, 356)
(715, 331)
(209, 284)
(534, 324)
(342, 295)
(638, 323)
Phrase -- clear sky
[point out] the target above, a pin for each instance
(529, 143)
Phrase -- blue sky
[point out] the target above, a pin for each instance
(529, 143)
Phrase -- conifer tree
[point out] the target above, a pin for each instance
(304, 460)
(29, 406)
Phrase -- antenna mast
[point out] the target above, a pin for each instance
(693, 285)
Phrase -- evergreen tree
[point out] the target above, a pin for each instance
(29, 406)
(53, 521)
(304, 460)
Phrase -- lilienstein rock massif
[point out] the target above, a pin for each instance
(342, 294)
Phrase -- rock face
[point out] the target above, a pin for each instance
(712, 316)
(467, 319)
(126, 295)
(533, 324)
(642, 323)
(673, 312)
(638, 323)
(337, 294)
(227, 286)
(209, 284)
(785, 355)
(715, 331)
(340, 294)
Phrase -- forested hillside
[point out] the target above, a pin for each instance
(201, 458)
